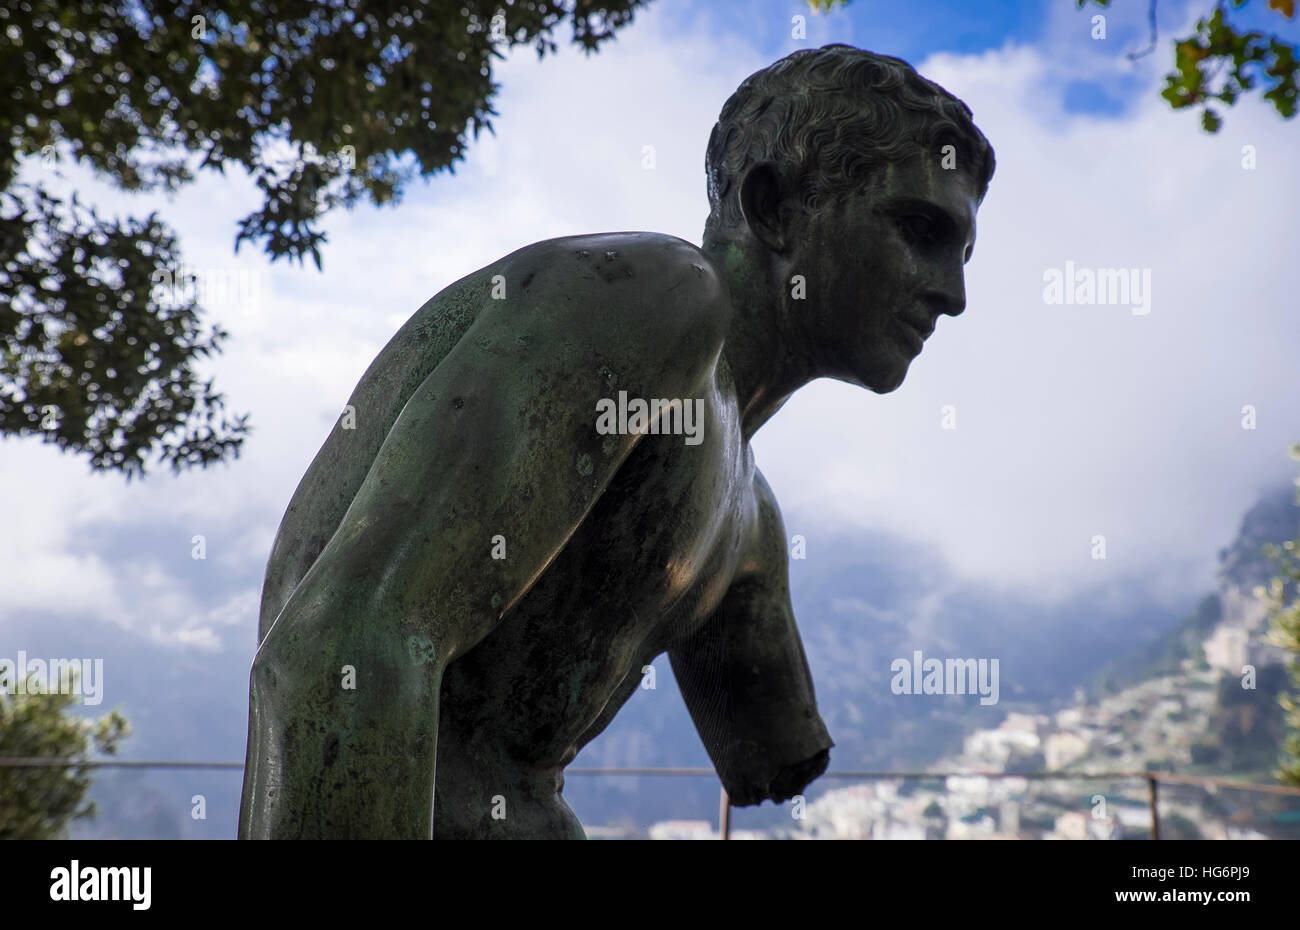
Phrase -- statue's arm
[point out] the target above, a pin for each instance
(746, 682)
(499, 440)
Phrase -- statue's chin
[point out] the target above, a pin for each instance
(881, 382)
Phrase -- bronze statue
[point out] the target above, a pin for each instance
(545, 479)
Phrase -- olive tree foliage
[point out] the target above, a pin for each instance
(39, 803)
(323, 103)
(1219, 63)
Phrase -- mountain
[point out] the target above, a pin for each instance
(1227, 627)
(1200, 699)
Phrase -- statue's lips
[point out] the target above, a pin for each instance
(914, 333)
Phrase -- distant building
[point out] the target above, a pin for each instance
(683, 830)
(896, 830)
(992, 749)
(1239, 639)
(1024, 723)
(1072, 825)
(1227, 649)
(1009, 817)
(1060, 749)
(975, 828)
(1071, 718)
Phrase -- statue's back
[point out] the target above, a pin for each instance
(335, 475)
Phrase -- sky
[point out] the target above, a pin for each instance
(1072, 421)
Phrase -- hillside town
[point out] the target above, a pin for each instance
(1157, 724)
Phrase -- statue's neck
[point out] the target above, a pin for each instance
(764, 351)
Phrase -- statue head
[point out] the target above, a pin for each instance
(846, 186)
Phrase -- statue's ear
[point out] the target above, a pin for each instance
(760, 201)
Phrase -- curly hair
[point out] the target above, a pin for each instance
(829, 118)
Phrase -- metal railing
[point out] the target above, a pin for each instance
(1152, 778)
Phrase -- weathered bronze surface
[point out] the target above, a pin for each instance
(478, 564)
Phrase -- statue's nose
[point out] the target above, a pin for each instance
(946, 301)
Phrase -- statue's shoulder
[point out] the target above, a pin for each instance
(651, 251)
(627, 272)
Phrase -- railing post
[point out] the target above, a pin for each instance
(1155, 816)
(724, 816)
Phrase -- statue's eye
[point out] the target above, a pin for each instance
(919, 228)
